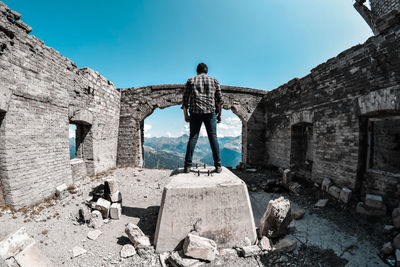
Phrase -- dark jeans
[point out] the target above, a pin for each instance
(210, 121)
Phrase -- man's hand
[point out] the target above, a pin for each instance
(185, 113)
(218, 118)
(187, 118)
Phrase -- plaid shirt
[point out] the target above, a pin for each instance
(202, 94)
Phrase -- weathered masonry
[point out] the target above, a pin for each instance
(342, 121)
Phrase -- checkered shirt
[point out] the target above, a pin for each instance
(202, 94)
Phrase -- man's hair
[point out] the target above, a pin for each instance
(202, 68)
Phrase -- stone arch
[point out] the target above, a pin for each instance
(139, 103)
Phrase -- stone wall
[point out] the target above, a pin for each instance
(139, 103)
(382, 7)
(337, 99)
(41, 92)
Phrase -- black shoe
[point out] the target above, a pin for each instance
(218, 169)
(186, 169)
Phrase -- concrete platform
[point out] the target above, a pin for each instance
(216, 206)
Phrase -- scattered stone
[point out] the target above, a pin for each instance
(163, 258)
(15, 243)
(387, 248)
(396, 242)
(276, 218)
(249, 251)
(321, 203)
(111, 186)
(32, 256)
(295, 188)
(93, 235)
(285, 245)
(61, 191)
(365, 210)
(334, 191)
(396, 217)
(96, 220)
(127, 251)
(388, 229)
(297, 213)
(176, 260)
(146, 252)
(265, 244)
(78, 251)
(373, 201)
(115, 197)
(115, 211)
(136, 236)
(199, 247)
(345, 195)
(227, 252)
(103, 206)
(326, 184)
(251, 170)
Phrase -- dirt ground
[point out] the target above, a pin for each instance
(334, 236)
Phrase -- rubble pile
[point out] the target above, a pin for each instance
(390, 251)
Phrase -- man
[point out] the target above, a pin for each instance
(202, 97)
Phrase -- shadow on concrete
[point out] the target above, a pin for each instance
(147, 218)
(123, 240)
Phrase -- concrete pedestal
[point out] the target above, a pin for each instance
(216, 206)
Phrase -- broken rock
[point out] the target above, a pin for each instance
(127, 251)
(298, 213)
(136, 236)
(93, 235)
(396, 242)
(32, 256)
(365, 210)
(61, 191)
(334, 191)
(387, 248)
(276, 218)
(396, 217)
(373, 201)
(96, 220)
(200, 247)
(265, 244)
(111, 186)
(115, 211)
(14, 243)
(326, 184)
(285, 245)
(115, 197)
(176, 260)
(321, 203)
(345, 195)
(103, 206)
(250, 251)
(78, 251)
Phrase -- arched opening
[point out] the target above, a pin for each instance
(302, 149)
(80, 150)
(165, 135)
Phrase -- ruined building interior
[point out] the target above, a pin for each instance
(338, 128)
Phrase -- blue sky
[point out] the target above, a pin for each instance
(255, 43)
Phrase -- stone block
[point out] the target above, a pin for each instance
(396, 242)
(365, 210)
(387, 248)
(396, 217)
(285, 245)
(111, 186)
(326, 184)
(321, 203)
(103, 206)
(345, 195)
(176, 260)
(127, 251)
(32, 256)
(115, 197)
(276, 219)
(297, 213)
(61, 191)
(14, 243)
(115, 211)
(286, 176)
(250, 251)
(136, 236)
(16, 15)
(24, 26)
(93, 235)
(265, 243)
(373, 201)
(216, 207)
(334, 191)
(96, 220)
(78, 251)
(198, 247)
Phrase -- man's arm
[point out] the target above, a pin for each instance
(218, 100)
(185, 101)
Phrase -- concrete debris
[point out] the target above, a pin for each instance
(32, 256)
(396, 242)
(136, 236)
(78, 251)
(365, 210)
(345, 195)
(115, 197)
(15, 243)
(298, 213)
(61, 191)
(373, 201)
(103, 206)
(111, 186)
(93, 235)
(115, 211)
(265, 243)
(127, 251)
(326, 184)
(276, 219)
(285, 245)
(334, 191)
(176, 260)
(96, 220)
(250, 251)
(387, 248)
(321, 203)
(227, 252)
(396, 217)
(199, 247)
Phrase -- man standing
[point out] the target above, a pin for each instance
(202, 97)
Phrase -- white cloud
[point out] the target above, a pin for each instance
(230, 126)
(72, 132)
(168, 134)
(147, 128)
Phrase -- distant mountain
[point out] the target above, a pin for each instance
(169, 152)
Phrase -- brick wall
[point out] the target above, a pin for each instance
(43, 91)
(382, 7)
